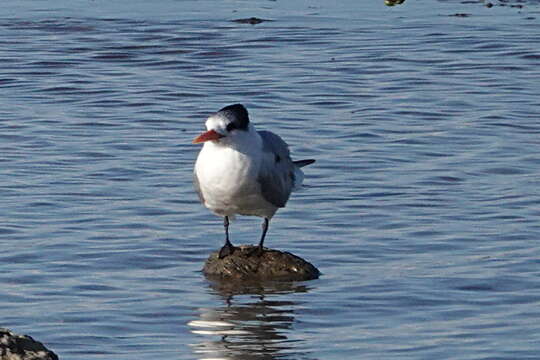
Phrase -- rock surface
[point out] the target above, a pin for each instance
(22, 347)
(245, 264)
(251, 20)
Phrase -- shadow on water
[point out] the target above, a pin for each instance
(254, 322)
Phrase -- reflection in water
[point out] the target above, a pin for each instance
(252, 323)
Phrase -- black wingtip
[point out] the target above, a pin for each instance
(302, 163)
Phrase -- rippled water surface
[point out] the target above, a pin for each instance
(422, 210)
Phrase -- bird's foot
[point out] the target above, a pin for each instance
(226, 250)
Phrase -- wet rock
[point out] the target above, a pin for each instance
(393, 2)
(22, 347)
(246, 264)
(251, 20)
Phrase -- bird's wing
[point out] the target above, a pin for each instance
(277, 172)
(197, 186)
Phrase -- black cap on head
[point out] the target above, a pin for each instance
(238, 115)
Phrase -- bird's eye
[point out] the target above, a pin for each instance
(231, 126)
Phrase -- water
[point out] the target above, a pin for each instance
(421, 211)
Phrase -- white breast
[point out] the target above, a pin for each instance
(228, 181)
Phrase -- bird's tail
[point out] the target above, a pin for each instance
(302, 163)
(298, 174)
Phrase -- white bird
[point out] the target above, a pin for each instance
(243, 171)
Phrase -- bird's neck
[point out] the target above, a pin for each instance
(245, 142)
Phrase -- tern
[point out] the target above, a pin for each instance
(240, 170)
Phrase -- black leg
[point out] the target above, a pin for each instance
(264, 230)
(226, 226)
(259, 250)
(228, 248)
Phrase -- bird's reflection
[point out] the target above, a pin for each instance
(254, 322)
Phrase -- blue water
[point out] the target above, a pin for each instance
(422, 210)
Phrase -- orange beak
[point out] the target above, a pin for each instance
(206, 136)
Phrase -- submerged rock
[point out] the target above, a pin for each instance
(251, 20)
(22, 347)
(246, 264)
(393, 2)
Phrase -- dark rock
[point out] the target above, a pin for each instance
(393, 2)
(22, 347)
(246, 264)
(251, 20)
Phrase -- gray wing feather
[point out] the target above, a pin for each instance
(197, 187)
(276, 175)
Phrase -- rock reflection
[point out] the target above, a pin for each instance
(255, 322)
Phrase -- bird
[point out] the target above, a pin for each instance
(242, 171)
